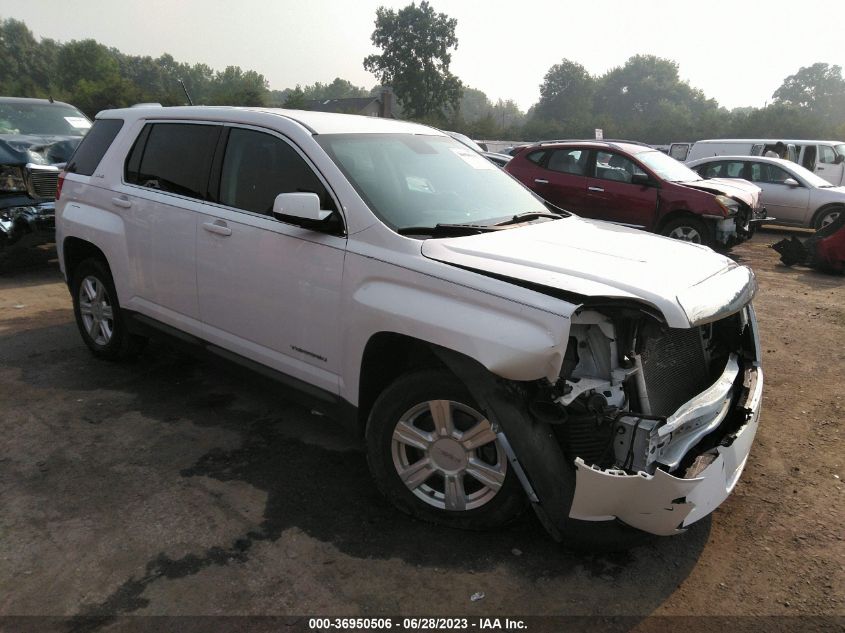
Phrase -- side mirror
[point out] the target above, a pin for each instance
(791, 182)
(839, 159)
(644, 180)
(303, 209)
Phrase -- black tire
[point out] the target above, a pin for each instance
(825, 213)
(120, 344)
(410, 393)
(690, 226)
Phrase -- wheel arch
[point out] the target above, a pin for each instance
(76, 250)
(388, 355)
(831, 206)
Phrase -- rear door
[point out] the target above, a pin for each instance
(611, 194)
(164, 188)
(561, 179)
(268, 290)
(785, 203)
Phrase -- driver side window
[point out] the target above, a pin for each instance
(612, 166)
(257, 167)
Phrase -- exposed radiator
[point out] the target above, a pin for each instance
(674, 366)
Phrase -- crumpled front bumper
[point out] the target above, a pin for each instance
(35, 220)
(662, 503)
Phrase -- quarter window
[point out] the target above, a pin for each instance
(257, 167)
(173, 157)
(94, 146)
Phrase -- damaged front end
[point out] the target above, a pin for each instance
(657, 421)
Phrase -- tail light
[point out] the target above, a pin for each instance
(59, 184)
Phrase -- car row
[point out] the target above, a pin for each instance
(492, 351)
(639, 186)
(793, 195)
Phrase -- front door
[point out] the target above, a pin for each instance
(785, 203)
(611, 194)
(827, 167)
(270, 290)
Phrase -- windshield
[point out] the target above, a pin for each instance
(667, 167)
(411, 180)
(840, 150)
(48, 119)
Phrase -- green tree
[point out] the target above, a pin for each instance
(415, 43)
(566, 95)
(295, 99)
(25, 65)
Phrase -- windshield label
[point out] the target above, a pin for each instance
(473, 159)
(78, 122)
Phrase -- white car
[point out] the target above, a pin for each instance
(492, 353)
(793, 195)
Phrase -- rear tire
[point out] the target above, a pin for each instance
(98, 315)
(425, 429)
(827, 216)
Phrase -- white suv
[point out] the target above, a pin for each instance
(492, 351)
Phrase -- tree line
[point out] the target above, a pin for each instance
(644, 99)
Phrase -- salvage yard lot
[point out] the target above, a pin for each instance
(181, 487)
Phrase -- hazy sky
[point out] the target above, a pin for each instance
(737, 52)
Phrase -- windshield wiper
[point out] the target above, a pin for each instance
(447, 230)
(528, 216)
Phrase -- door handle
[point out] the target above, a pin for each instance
(541, 181)
(598, 189)
(218, 228)
(122, 202)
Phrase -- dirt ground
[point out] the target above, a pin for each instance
(171, 486)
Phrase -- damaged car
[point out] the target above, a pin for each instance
(636, 185)
(37, 136)
(492, 352)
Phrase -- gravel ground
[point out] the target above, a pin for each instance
(172, 486)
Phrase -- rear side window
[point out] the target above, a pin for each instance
(257, 167)
(173, 157)
(569, 161)
(536, 157)
(93, 147)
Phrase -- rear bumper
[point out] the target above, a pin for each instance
(664, 504)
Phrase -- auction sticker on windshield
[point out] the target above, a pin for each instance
(78, 122)
(473, 158)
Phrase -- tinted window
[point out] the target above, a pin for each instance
(258, 167)
(568, 161)
(175, 158)
(611, 166)
(536, 157)
(93, 147)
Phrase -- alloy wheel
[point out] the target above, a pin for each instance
(96, 310)
(446, 454)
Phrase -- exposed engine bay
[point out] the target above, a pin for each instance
(636, 396)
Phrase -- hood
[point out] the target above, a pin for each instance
(20, 149)
(600, 259)
(736, 188)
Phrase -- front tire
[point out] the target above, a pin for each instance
(688, 229)
(98, 314)
(435, 456)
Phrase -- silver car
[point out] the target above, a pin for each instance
(793, 195)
